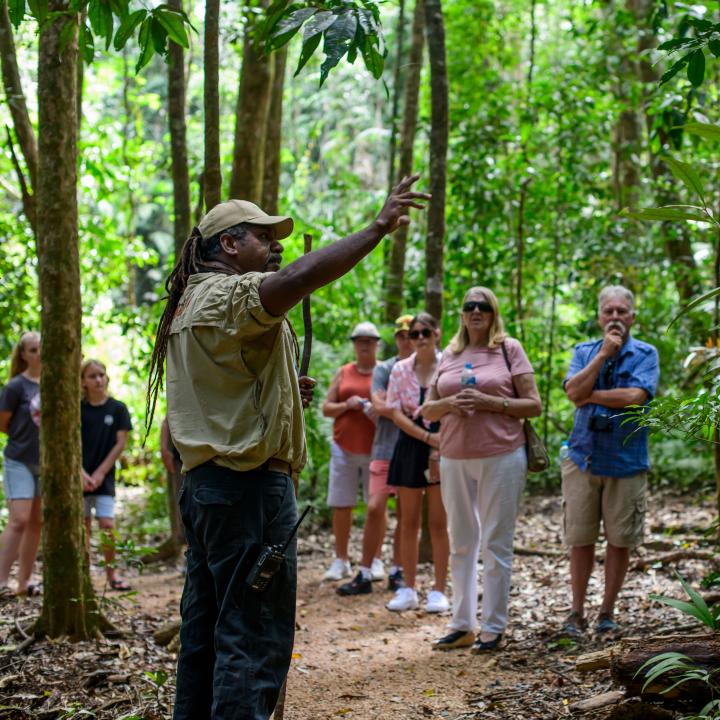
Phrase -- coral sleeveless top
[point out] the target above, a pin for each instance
(353, 431)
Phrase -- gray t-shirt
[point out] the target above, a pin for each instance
(21, 397)
(386, 432)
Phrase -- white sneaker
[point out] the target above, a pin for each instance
(405, 599)
(436, 602)
(338, 570)
(377, 569)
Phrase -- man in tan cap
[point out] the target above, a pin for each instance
(235, 413)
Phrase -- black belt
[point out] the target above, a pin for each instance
(271, 465)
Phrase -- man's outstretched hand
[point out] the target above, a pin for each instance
(401, 198)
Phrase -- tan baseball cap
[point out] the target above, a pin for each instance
(365, 329)
(233, 212)
(403, 323)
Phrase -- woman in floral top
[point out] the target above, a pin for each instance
(414, 466)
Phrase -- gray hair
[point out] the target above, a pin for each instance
(619, 291)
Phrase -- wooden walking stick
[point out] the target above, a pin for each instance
(279, 713)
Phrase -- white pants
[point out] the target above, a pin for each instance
(481, 498)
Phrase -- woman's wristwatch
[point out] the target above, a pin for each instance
(505, 405)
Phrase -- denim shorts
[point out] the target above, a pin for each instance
(19, 480)
(104, 506)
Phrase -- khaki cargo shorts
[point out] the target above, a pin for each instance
(620, 502)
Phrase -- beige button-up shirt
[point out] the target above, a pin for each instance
(232, 386)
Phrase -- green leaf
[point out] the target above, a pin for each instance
(675, 43)
(159, 36)
(664, 214)
(16, 10)
(127, 28)
(338, 39)
(709, 131)
(289, 25)
(317, 24)
(714, 46)
(308, 48)
(174, 26)
(696, 68)
(700, 604)
(374, 61)
(38, 9)
(687, 175)
(674, 69)
(146, 46)
(87, 43)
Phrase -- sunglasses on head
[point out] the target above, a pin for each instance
(425, 332)
(480, 305)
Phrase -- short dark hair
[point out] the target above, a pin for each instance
(211, 247)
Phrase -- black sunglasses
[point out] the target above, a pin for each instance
(480, 305)
(425, 332)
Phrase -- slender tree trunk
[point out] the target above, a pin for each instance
(212, 174)
(397, 78)
(69, 604)
(273, 136)
(251, 117)
(20, 116)
(394, 285)
(178, 146)
(438, 158)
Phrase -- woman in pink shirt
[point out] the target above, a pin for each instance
(483, 462)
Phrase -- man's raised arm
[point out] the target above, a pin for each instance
(284, 289)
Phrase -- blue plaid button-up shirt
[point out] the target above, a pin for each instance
(623, 449)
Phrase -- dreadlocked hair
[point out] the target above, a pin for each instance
(195, 252)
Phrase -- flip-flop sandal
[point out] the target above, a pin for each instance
(32, 590)
(120, 585)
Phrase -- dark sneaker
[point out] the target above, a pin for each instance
(574, 626)
(481, 646)
(605, 624)
(457, 639)
(396, 580)
(357, 586)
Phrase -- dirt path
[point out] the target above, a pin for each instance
(353, 658)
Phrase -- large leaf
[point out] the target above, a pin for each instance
(86, 43)
(686, 174)
(338, 38)
(39, 10)
(674, 69)
(308, 48)
(703, 130)
(288, 26)
(127, 28)
(101, 20)
(374, 61)
(320, 22)
(174, 26)
(698, 601)
(146, 46)
(714, 46)
(664, 214)
(159, 36)
(16, 10)
(696, 68)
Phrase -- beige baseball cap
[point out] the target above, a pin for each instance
(233, 212)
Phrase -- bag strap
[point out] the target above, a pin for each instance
(509, 366)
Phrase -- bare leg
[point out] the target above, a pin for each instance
(106, 525)
(437, 524)
(582, 559)
(397, 535)
(374, 531)
(29, 545)
(20, 511)
(617, 560)
(342, 522)
(409, 532)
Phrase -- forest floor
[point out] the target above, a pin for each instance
(353, 658)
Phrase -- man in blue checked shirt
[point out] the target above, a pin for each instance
(605, 475)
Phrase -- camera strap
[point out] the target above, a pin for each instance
(295, 529)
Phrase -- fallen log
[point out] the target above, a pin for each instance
(671, 557)
(597, 701)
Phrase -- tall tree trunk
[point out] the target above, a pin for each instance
(394, 286)
(19, 113)
(273, 136)
(438, 158)
(212, 174)
(250, 120)
(397, 77)
(69, 604)
(178, 146)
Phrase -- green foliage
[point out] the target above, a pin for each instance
(696, 608)
(347, 27)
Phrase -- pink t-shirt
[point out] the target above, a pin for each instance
(482, 434)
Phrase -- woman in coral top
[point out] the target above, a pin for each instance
(483, 462)
(353, 433)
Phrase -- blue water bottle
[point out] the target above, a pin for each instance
(467, 379)
(564, 450)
